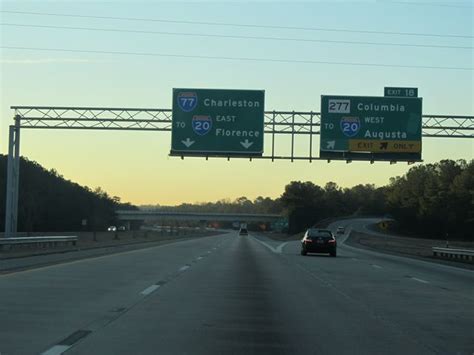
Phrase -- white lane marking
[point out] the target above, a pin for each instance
(209, 252)
(279, 248)
(184, 268)
(149, 290)
(199, 258)
(420, 280)
(56, 350)
(355, 259)
(276, 250)
(376, 266)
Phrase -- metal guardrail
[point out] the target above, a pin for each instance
(454, 253)
(37, 241)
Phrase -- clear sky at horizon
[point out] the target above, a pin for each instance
(136, 165)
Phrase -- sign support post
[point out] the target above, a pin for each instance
(13, 176)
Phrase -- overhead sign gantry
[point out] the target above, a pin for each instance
(299, 127)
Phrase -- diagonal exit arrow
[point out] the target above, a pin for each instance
(330, 144)
(246, 144)
(188, 142)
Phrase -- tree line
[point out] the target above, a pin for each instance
(430, 200)
(48, 202)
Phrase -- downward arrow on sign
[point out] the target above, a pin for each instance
(188, 142)
(246, 144)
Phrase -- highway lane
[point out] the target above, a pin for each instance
(42, 306)
(233, 294)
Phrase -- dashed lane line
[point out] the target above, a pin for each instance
(420, 280)
(56, 350)
(183, 268)
(149, 290)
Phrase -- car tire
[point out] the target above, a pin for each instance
(303, 252)
(333, 254)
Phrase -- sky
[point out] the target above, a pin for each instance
(136, 165)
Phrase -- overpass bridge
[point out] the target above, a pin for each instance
(128, 216)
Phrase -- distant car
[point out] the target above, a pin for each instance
(318, 241)
(341, 230)
(121, 228)
(112, 229)
(243, 231)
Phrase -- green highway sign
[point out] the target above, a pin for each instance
(400, 92)
(370, 128)
(209, 122)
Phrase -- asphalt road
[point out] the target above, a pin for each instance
(233, 294)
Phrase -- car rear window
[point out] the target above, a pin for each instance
(319, 233)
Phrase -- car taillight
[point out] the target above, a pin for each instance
(332, 241)
(307, 240)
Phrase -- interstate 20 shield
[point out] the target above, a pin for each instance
(202, 124)
(350, 126)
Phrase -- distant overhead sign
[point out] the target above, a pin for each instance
(217, 122)
(400, 92)
(370, 128)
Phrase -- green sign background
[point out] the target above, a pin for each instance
(368, 118)
(232, 122)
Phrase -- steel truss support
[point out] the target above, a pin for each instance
(145, 119)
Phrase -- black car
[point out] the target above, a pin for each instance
(243, 231)
(318, 241)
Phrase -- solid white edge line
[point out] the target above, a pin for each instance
(376, 266)
(420, 280)
(56, 350)
(184, 268)
(149, 290)
(277, 250)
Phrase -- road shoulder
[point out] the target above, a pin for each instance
(401, 246)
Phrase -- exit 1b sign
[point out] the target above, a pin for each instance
(400, 92)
